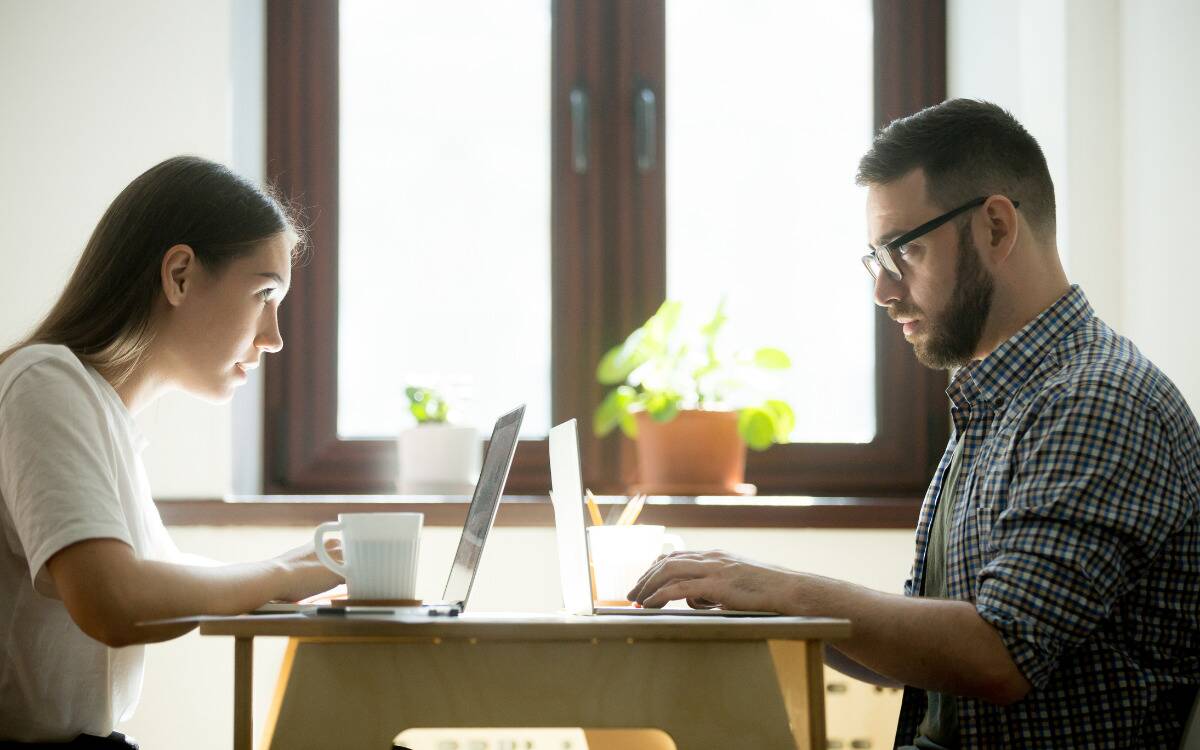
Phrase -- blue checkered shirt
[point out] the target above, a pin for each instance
(1076, 535)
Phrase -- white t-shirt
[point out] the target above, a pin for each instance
(70, 470)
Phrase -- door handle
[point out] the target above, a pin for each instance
(645, 118)
(579, 130)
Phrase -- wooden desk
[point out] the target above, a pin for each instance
(358, 681)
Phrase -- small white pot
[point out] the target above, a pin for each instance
(438, 459)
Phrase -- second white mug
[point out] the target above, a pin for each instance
(619, 556)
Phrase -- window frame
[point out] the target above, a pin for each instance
(608, 245)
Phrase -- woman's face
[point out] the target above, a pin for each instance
(220, 324)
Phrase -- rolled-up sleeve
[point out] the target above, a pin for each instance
(1093, 496)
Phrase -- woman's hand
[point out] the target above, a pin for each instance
(112, 594)
(305, 575)
(713, 579)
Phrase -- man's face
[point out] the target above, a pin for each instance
(945, 295)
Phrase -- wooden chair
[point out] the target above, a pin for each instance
(1191, 730)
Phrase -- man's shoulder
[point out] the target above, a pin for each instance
(1094, 363)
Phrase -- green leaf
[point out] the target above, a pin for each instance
(662, 407)
(645, 343)
(613, 411)
(629, 425)
(427, 405)
(757, 428)
(785, 419)
(714, 326)
(772, 359)
(662, 323)
(618, 362)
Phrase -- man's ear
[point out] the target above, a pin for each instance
(1001, 228)
(179, 267)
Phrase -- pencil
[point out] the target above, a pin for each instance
(632, 510)
(594, 510)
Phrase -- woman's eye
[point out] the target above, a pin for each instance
(265, 295)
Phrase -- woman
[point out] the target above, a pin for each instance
(178, 288)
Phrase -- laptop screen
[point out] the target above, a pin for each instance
(484, 504)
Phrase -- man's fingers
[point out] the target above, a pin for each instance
(687, 588)
(662, 564)
(664, 573)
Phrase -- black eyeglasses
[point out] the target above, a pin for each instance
(882, 256)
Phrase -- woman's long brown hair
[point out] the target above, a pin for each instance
(104, 313)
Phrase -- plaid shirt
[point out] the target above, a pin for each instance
(1076, 535)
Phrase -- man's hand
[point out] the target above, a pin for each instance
(935, 644)
(713, 579)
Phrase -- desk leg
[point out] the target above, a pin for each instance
(243, 671)
(800, 669)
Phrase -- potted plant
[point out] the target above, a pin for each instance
(691, 405)
(436, 457)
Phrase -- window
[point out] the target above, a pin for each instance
(499, 193)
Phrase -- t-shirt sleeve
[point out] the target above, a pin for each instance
(57, 464)
(1092, 501)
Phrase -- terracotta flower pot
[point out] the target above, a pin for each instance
(696, 453)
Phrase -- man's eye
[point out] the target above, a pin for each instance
(265, 295)
(904, 250)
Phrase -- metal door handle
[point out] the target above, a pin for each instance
(644, 122)
(579, 130)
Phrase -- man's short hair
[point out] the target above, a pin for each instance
(967, 149)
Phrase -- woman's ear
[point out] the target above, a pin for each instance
(177, 273)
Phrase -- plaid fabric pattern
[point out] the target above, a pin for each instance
(1076, 535)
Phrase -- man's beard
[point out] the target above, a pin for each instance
(954, 338)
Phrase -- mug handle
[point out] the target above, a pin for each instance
(672, 541)
(319, 545)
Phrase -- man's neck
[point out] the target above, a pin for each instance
(1012, 312)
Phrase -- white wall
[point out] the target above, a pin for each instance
(1108, 88)
(94, 94)
(1160, 149)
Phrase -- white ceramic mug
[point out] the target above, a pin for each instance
(620, 554)
(380, 550)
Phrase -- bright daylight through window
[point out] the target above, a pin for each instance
(762, 143)
(444, 211)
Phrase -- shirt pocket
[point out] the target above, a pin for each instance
(988, 502)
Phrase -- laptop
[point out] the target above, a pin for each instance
(573, 557)
(481, 514)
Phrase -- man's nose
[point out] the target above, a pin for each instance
(887, 289)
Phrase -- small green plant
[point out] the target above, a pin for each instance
(427, 405)
(662, 368)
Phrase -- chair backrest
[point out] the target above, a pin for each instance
(1191, 730)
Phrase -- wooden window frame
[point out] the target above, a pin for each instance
(608, 248)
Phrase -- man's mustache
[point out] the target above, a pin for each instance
(902, 310)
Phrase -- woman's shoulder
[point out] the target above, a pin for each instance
(42, 365)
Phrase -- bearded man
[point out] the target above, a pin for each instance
(1054, 600)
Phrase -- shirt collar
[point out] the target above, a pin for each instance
(995, 376)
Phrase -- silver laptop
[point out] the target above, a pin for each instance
(480, 516)
(567, 498)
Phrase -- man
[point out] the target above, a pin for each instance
(1055, 596)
